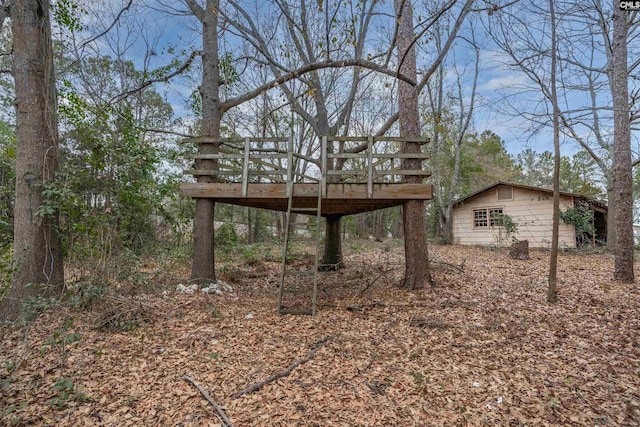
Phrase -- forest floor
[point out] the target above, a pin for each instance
(481, 348)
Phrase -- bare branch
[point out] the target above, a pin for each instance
(223, 416)
(257, 386)
(583, 143)
(166, 132)
(113, 24)
(492, 8)
(432, 21)
(427, 75)
(196, 9)
(307, 69)
(345, 114)
(164, 79)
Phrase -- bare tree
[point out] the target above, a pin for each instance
(585, 59)
(552, 291)
(214, 107)
(415, 232)
(37, 250)
(203, 267)
(530, 41)
(622, 180)
(449, 129)
(311, 32)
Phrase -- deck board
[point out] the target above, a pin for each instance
(344, 198)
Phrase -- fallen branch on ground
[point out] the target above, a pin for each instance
(368, 365)
(223, 417)
(117, 312)
(374, 281)
(460, 267)
(257, 386)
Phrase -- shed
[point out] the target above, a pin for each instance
(477, 217)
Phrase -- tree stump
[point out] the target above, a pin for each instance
(520, 250)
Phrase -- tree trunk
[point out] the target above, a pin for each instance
(333, 243)
(447, 226)
(415, 232)
(332, 239)
(622, 178)
(37, 248)
(203, 267)
(250, 229)
(378, 229)
(332, 259)
(611, 214)
(398, 228)
(552, 290)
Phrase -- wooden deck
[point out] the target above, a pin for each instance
(263, 172)
(343, 199)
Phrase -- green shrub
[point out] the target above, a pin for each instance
(581, 216)
(226, 235)
(6, 268)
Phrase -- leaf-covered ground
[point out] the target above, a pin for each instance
(482, 348)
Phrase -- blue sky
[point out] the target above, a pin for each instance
(495, 79)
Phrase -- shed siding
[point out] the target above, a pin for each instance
(531, 210)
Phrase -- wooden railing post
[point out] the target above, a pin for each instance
(323, 167)
(370, 167)
(245, 167)
(290, 166)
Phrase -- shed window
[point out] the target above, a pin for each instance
(480, 218)
(495, 217)
(487, 217)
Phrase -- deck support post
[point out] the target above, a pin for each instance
(370, 167)
(245, 166)
(290, 167)
(323, 167)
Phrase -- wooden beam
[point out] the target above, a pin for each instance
(419, 139)
(334, 207)
(344, 192)
(237, 140)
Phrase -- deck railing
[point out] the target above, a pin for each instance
(361, 160)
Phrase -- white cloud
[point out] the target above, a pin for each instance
(503, 82)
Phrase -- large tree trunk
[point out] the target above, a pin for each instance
(415, 232)
(447, 226)
(332, 241)
(622, 178)
(611, 214)
(332, 259)
(203, 268)
(37, 249)
(552, 290)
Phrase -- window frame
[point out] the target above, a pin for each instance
(492, 223)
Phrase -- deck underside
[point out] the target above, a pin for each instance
(341, 199)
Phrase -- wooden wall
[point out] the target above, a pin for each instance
(531, 210)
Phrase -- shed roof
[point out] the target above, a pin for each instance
(591, 201)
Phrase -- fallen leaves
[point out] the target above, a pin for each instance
(483, 347)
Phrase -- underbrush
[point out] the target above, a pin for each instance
(116, 284)
(6, 268)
